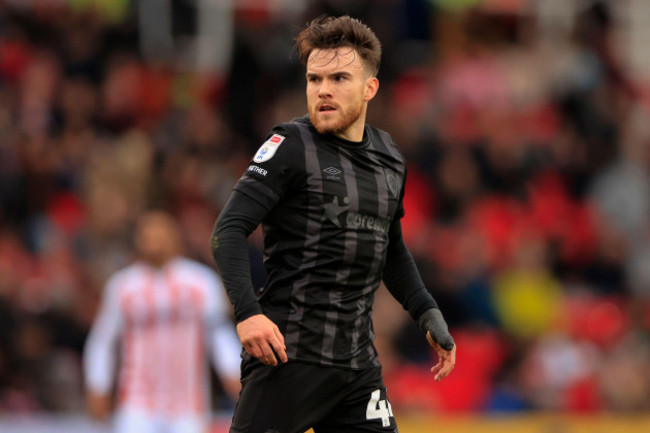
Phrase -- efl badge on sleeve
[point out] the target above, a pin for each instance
(267, 150)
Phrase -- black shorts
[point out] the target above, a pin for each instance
(294, 397)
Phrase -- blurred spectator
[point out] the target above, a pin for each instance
(527, 296)
(555, 370)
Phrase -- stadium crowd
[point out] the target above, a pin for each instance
(527, 206)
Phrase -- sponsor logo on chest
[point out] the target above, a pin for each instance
(337, 212)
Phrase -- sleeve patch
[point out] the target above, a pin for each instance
(256, 169)
(267, 150)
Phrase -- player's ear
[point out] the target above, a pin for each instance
(372, 85)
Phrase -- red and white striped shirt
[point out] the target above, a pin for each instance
(166, 320)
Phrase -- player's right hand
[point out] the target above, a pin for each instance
(260, 337)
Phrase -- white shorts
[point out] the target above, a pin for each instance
(138, 421)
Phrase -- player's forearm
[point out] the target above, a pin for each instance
(238, 219)
(99, 405)
(225, 350)
(99, 356)
(403, 280)
(230, 253)
(402, 277)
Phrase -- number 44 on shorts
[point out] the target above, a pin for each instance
(379, 409)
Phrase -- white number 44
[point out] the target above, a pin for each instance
(379, 409)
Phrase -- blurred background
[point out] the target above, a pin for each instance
(527, 131)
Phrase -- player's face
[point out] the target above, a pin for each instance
(157, 238)
(338, 91)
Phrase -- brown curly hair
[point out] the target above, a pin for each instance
(327, 32)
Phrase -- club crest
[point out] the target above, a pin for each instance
(393, 184)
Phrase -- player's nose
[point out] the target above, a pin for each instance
(324, 90)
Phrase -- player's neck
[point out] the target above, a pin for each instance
(355, 131)
(158, 262)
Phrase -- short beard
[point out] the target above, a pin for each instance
(347, 120)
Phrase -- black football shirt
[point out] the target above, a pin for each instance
(330, 204)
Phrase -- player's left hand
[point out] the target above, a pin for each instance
(438, 336)
(446, 359)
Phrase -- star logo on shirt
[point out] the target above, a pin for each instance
(334, 209)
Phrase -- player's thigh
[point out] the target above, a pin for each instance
(365, 409)
(135, 421)
(188, 424)
(289, 398)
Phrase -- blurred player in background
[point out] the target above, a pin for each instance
(328, 191)
(168, 313)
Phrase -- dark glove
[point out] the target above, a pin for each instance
(432, 321)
